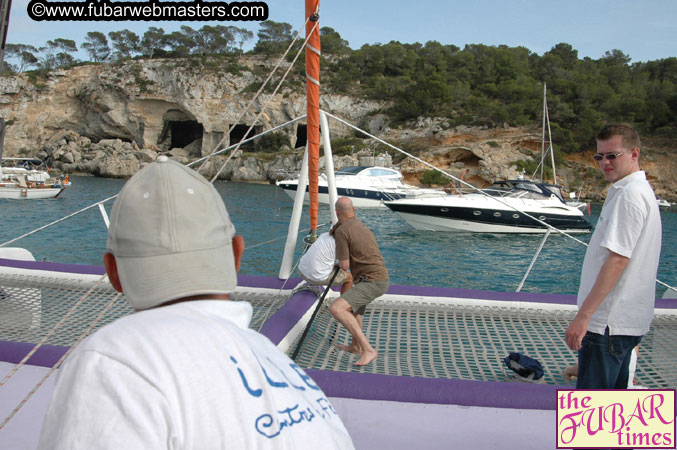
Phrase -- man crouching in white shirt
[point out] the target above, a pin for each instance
(318, 263)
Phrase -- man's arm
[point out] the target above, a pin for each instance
(344, 264)
(608, 276)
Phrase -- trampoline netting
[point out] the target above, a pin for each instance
(421, 337)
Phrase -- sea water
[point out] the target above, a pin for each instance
(261, 213)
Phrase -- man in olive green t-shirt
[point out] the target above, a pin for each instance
(357, 250)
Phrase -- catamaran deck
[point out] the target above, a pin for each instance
(418, 332)
(440, 354)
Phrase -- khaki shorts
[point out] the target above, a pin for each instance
(363, 293)
(340, 279)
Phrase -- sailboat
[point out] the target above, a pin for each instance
(27, 178)
(519, 205)
(440, 379)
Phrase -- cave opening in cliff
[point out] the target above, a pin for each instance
(301, 136)
(468, 158)
(238, 133)
(183, 132)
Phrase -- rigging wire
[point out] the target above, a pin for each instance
(223, 166)
(83, 335)
(263, 85)
(100, 204)
(480, 191)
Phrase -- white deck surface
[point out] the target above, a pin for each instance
(372, 424)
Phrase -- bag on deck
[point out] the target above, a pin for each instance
(525, 367)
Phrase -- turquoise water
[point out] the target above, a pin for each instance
(261, 214)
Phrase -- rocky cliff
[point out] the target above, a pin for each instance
(110, 120)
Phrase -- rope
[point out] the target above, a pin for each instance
(533, 261)
(279, 292)
(317, 309)
(57, 221)
(454, 178)
(268, 102)
(279, 61)
(51, 332)
(58, 363)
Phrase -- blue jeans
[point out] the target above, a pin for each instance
(603, 360)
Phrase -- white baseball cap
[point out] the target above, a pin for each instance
(171, 236)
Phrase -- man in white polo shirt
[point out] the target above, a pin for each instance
(617, 289)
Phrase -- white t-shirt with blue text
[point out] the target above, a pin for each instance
(187, 376)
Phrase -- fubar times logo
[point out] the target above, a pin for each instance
(631, 418)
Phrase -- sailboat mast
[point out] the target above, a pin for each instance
(543, 137)
(313, 105)
(546, 122)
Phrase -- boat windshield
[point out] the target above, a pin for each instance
(381, 172)
(368, 171)
(352, 170)
(524, 189)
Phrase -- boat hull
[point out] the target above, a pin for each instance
(30, 193)
(484, 215)
(362, 198)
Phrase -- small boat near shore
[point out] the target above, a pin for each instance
(28, 178)
(367, 186)
(663, 203)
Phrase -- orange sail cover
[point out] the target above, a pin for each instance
(313, 105)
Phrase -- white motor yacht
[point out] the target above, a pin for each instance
(502, 208)
(367, 186)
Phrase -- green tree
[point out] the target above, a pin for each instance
(125, 43)
(153, 40)
(96, 45)
(24, 53)
(57, 53)
(240, 37)
(274, 37)
(273, 142)
(180, 44)
(332, 42)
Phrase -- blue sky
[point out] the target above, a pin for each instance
(643, 29)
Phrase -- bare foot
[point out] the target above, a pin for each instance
(571, 372)
(352, 348)
(367, 357)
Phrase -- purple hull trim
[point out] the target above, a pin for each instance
(46, 356)
(284, 319)
(53, 267)
(369, 386)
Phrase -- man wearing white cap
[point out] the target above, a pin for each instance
(184, 371)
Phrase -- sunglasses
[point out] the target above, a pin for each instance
(609, 156)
